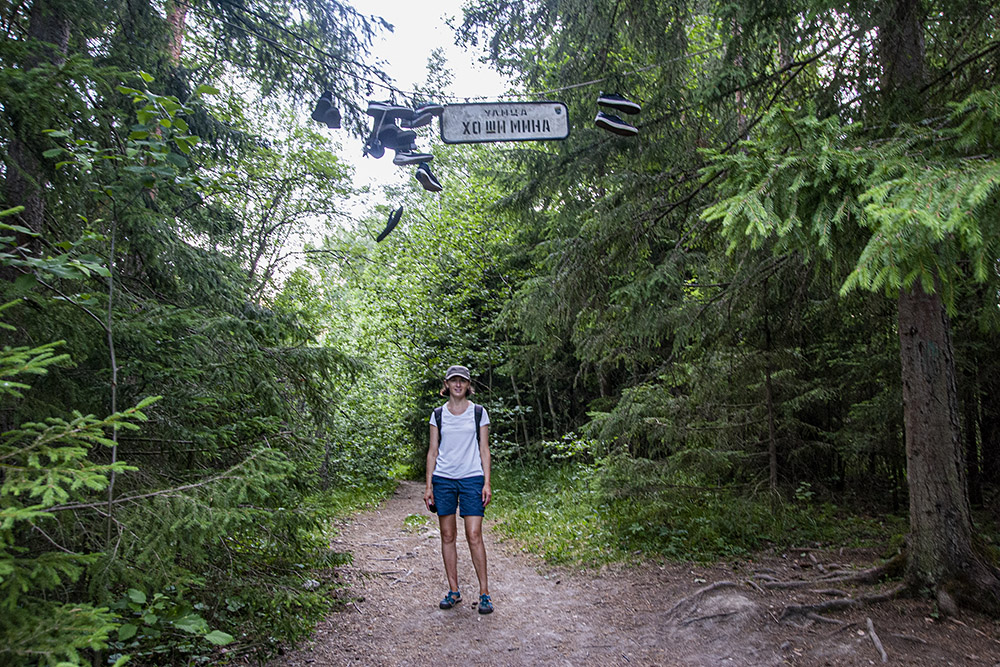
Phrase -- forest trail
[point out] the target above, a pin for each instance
(673, 614)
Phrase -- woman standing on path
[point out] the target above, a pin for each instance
(458, 478)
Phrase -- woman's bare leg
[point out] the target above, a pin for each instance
(449, 531)
(474, 535)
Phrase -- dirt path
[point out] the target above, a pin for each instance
(653, 615)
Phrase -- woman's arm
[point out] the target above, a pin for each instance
(432, 455)
(484, 455)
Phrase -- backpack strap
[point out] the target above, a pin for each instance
(478, 412)
(437, 420)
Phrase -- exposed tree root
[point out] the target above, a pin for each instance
(892, 567)
(687, 604)
(839, 604)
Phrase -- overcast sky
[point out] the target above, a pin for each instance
(419, 28)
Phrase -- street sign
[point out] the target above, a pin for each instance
(504, 121)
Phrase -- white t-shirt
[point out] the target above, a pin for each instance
(458, 454)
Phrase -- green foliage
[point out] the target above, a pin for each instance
(594, 514)
(170, 288)
(914, 208)
(159, 629)
(45, 468)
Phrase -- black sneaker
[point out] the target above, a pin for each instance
(388, 110)
(322, 106)
(375, 149)
(431, 108)
(427, 179)
(420, 120)
(404, 158)
(392, 137)
(393, 221)
(611, 123)
(332, 118)
(618, 103)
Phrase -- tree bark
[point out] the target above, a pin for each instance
(940, 550)
(48, 32)
(940, 555)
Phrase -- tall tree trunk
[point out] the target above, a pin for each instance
(48, 30)
(940, 555)
(940, 520)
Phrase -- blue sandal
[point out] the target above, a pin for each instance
(450, 600)
(485, 606)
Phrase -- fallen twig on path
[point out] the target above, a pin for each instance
(876, 640)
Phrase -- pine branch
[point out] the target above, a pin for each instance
(163, 492)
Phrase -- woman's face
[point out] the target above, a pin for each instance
(457, 386)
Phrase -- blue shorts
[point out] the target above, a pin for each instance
(449, 494)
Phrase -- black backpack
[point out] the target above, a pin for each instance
(477, 413)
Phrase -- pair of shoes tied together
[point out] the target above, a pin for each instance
(611, 122)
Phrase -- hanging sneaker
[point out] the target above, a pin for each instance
(618, 103)
(332, 118)
(432, 108)
(404, 158)
(392, 137)
(420, 120)
(388, 110)
(611, 123)
(427, 179)
(393, 221)
(322, 106)
(374, 148)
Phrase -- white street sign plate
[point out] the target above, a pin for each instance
(504, 121)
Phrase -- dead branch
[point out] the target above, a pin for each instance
(876, 640)
(830, 591)
(757, 586)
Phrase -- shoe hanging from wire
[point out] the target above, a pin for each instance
(391, 224)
